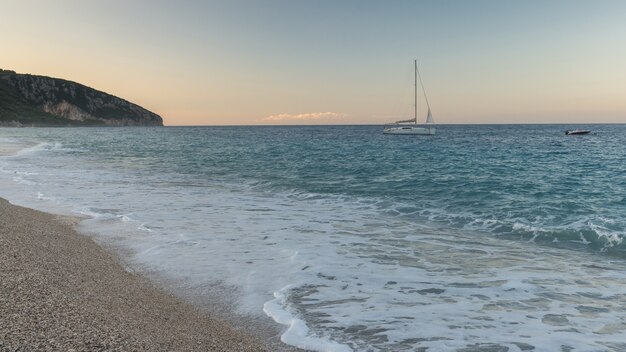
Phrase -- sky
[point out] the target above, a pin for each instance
(235, 62)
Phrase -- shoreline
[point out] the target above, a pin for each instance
(60, 290)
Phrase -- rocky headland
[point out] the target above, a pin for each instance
(29, 100)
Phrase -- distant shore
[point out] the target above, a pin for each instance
(59, 290)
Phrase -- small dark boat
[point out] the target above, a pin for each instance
(573, 132)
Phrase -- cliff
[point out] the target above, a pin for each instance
(44, 101)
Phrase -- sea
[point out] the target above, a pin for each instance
(479, 238)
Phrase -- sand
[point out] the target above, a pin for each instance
(60, 291)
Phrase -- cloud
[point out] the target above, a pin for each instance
(305, 116)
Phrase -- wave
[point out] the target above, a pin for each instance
(298, 333)
(466, 258)
(40, 147)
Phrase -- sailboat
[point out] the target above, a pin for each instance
(576, 131)
(410, 126)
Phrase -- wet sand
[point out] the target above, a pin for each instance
(59, 290)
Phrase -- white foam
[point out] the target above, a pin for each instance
(45, 146)
(142, 227)
(297, 333)
(299, 256)
(611, 237)
(88, 212)
(124, 218)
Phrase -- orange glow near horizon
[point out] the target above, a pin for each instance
(214, 63)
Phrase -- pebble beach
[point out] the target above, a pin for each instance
(60, 291)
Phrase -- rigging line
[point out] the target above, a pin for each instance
(422, 85)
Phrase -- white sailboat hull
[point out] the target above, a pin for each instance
(410, 126)
(409, 130)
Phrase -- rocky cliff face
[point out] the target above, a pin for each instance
(70, 101)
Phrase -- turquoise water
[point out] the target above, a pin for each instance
(478, 237)
(530, 182)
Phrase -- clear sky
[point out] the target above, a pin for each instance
(239, 62)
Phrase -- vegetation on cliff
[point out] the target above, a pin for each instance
(28, 100)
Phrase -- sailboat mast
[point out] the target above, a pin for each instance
(415, 91)
(429, 116)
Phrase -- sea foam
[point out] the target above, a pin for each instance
(354, 243)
